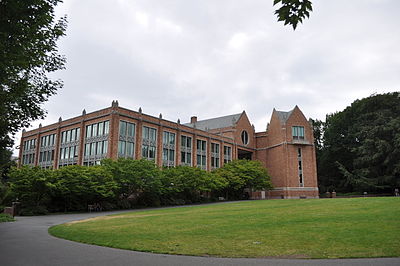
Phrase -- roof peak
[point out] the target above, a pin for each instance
(284, 115)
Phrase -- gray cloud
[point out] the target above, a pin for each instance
(212, 58)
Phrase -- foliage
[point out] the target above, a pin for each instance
(293, 11)
(28, 35)
(4, 192)
(241, 174)
(137, 180)
(6, 162)
(79, 186)
(31, 186)
(310, 228)
(69, 188)
(318, 131)
(184, 184)
(127, 183)
(6, 218)
(361, 146)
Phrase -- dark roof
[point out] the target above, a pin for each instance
(218, 122)
(284, 116)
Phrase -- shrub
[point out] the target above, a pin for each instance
(240, 174)
(35, 210)
(4, 217)
(137, 181)
(186, 184)
(32, 186)
(77, 186)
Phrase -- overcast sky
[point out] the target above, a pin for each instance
(217, 57)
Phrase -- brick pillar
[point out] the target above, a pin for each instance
(57, 147)
(81, 140)
(37, 148)
(221, 153)
(159, 145)
(138, 142)
(178, 147)
(194, 152)
(113, 135)
(21, 148)
(208, 154)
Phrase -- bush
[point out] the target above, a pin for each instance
(32, 186)
(108, 206)
(240, 174)
(75, 187)
(4, 217)
(127, 183)
(186, 184)
(30, 211)
(137, 181)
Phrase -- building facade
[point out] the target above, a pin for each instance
(286, 148)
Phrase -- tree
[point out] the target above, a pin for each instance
(361, 146)
(28, 53)
(293, 11)
(77, 186)
(4, 192)
(32, 186)
(241, 174)
(185, 184)
(137, 180)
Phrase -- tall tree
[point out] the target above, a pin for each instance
(361, 146)
(28, 53)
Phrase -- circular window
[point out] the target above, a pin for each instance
(245, 137)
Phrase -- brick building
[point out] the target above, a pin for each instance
(286, 148)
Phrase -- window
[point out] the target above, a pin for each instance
(149, 142)
(130, 129)
(300, 167)
(94, 130)
(186, 150)
(122, 128)
(126, 143)
(88, 131)
(202, 154)
(245, 137)
(227, 154)
(46, 151)
(105, 146)
(214, 155)
(100, 129)
(106, 127)
(168, 149)
(69, 147)
(68, 135)
(298, 132)
(96, 143)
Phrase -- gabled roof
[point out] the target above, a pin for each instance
(218, 122)
(283, 116)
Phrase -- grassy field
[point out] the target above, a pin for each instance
(324, 228)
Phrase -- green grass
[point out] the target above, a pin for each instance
(5, 218)
(324, 228)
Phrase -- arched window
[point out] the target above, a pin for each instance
(245, 137)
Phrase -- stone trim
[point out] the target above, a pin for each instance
(295, 189)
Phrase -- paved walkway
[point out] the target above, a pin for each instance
(27, 242)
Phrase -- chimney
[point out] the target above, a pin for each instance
(193, 119)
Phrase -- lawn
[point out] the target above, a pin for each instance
(311, 228)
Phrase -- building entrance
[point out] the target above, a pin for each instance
(243, 154)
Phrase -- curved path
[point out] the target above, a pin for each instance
(27, 242)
